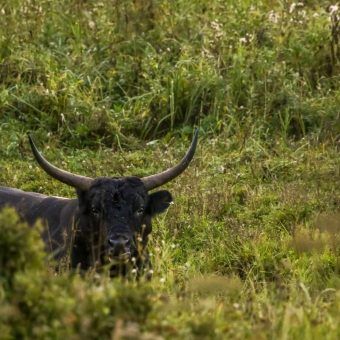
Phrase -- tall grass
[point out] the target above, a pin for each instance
(91, 71)
(250, 249)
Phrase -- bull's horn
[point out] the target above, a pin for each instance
(76, 181)
(157, 180)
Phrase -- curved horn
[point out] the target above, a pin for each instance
(157, 180)
(66, 177)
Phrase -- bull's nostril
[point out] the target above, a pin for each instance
(111, 242)
(116, 242)
(119, 245)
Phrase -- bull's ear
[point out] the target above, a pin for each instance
(158, 202)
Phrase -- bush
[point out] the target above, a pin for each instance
(21, 247)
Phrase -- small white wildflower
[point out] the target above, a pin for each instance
(315, 15)
(215, 25)
(292, 7)
(333, 9)
(273, 17)
(150, 272)
(243, 40)
(133, 259)
(134, 271)
(221, 169)
(249, 37)
(162, 280)
(173, 246)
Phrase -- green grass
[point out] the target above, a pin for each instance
(250, 249)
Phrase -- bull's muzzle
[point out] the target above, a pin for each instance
(120, 247)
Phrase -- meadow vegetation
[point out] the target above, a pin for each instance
(251, 246)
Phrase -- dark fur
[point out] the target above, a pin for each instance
(113, 217)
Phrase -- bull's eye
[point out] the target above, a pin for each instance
(140, 211)
(94, 210)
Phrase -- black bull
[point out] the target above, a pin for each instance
(109, 221)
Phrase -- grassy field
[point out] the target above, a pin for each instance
(251, 247)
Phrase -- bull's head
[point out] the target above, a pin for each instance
(115, 213)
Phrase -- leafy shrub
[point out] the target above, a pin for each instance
(21, 247)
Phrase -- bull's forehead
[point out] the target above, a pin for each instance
(126, 188)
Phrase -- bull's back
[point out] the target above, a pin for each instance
(56, 213)
(22, 201)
